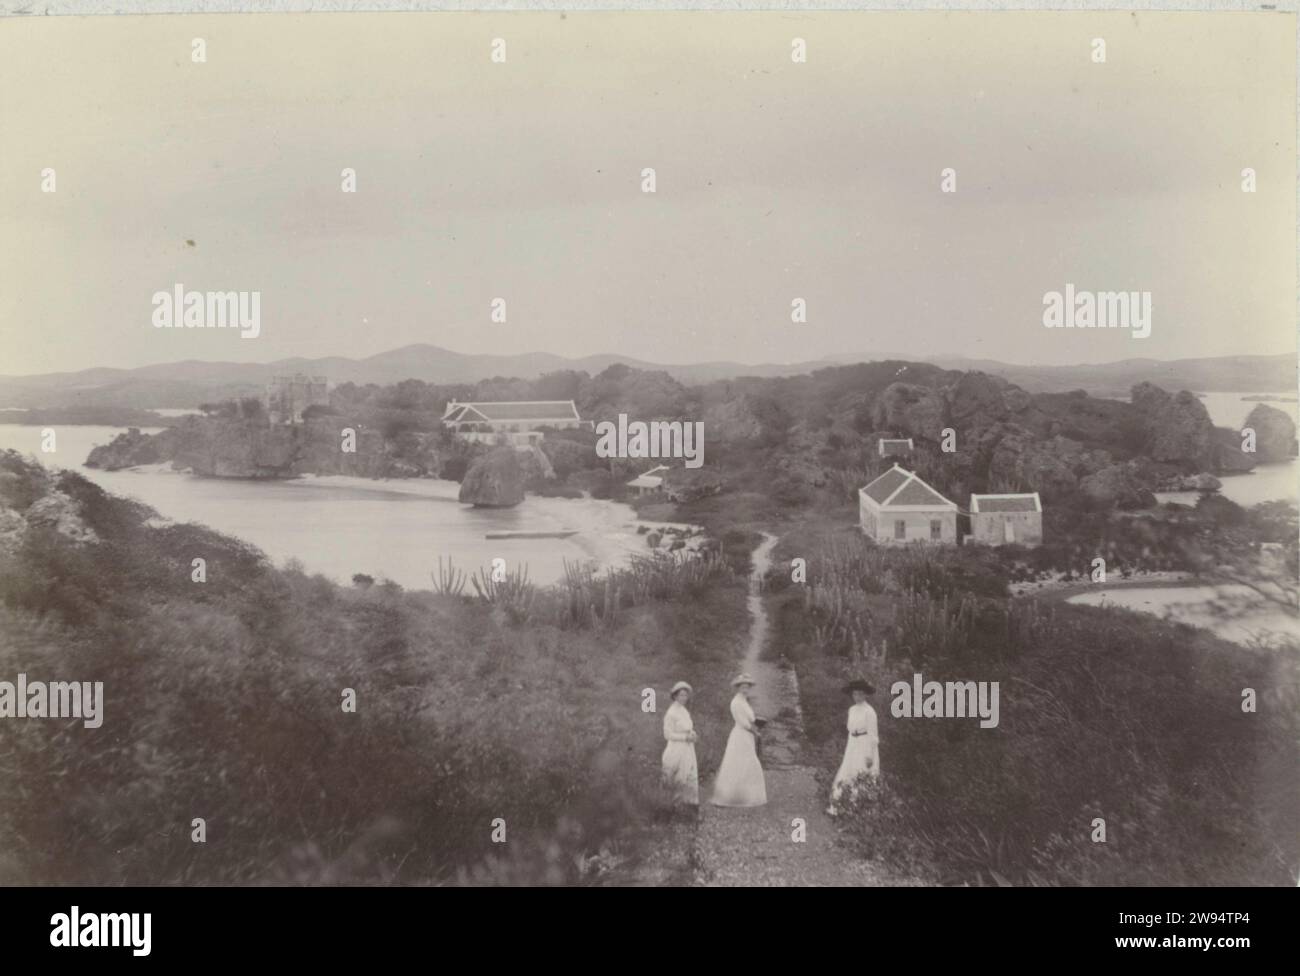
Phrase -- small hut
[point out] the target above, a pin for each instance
(895, 446)
(1002, 520)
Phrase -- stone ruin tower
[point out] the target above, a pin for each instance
(289, 396)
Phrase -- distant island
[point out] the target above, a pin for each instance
(104, 415)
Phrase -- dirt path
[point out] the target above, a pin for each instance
(759, 846)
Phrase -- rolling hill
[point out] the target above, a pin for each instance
(190, 382)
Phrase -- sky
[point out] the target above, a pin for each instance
(522, 180)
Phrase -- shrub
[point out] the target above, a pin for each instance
(512, 594)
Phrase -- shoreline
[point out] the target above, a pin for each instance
(1209, 606)
(1058, 589)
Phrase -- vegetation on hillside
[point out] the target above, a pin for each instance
(492, 698)
(223, 701)
(799, 440)
(1104, 714)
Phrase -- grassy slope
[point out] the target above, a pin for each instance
(223, 702)
(1104, 713)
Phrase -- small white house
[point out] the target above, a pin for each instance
(898, 507)
(1003, 520)
(649, 482)
(898, 446)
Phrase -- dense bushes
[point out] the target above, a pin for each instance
(224, 701)
(1113, 717)
(1103, 714)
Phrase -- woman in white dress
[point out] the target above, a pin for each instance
(862, 752)
(681, 776)
(740, 778)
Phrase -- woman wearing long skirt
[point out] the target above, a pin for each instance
(681, 776)
(740, 778)
(862, 752)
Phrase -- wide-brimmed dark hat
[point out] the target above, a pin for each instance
(857, 684)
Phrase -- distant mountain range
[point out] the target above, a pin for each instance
(190, 382)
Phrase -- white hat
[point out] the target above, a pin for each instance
(681, 685)
(743, 679)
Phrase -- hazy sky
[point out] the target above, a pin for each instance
(522, 180)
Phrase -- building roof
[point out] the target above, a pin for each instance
(899, 487)
(537, 411)
(1023, 502)
(654, 478)
(888, 483)
(893, 444)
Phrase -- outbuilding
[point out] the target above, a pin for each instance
(1003, 520)
(649, 482)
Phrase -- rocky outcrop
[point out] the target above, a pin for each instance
(12, 528)
(126, 451)
(1176, 427)
(495, 480)
(537, 464)
(1116, 486)
(1190, 482)
(224, 447)
(61, 513)
(976, 400)
(1050, 467)
(1228, 456)
(1016, 400)
(31, 500)
(982, 409)
(911, 410)
(691, 484)
(217, 447)
(732, 421)
(236, 449)
(1274, 434)
(318, 449)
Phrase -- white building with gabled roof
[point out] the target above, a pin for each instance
(513, 421)
(1003, 520)
(898, 507)
(649, 482)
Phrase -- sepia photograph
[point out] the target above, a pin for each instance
(648, 448)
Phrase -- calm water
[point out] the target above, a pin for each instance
(1235, 613)
(340, 526)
